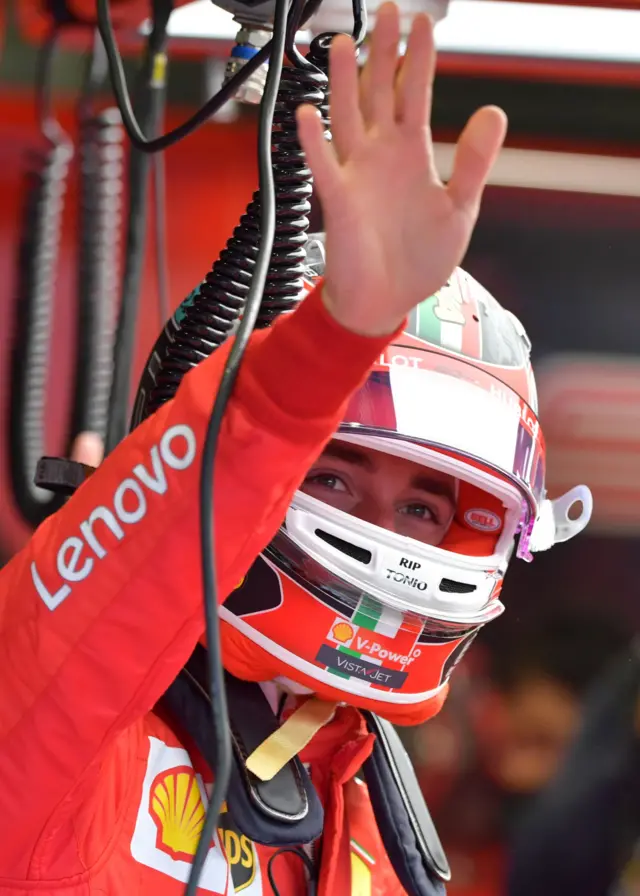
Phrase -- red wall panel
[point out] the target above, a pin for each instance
(210, 178)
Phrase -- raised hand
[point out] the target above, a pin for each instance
(394, 231)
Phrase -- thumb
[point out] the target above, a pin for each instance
(88, 448)
(476, 153)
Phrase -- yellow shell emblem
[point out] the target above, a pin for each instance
(178, 811)
(342, 631)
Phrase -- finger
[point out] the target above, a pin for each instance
(320, 154)
(414, 83)
(377, 94)
(88, 448)
(476, 152)
(347, 126)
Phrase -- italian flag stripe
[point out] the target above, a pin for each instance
(362, 852)
(451, 336)
(375, 617)
(348, 650)
(360, 656)
(439, 332)
(337, 672)
(428, 325)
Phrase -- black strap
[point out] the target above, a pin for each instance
(60, 475)
(406, 828)
(284, 811)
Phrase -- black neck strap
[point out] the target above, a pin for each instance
(286, 811)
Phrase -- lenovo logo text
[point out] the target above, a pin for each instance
(77, 554)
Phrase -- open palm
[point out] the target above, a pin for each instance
(394, 231)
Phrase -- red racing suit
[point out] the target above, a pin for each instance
(102, 608)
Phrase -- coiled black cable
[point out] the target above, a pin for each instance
(101, 155)
(210, 313)
(304, 83)
(45, 188)
(101, 188)
(102, 159)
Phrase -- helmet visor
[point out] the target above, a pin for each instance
(431, 399)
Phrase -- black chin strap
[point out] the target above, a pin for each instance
(286, 811)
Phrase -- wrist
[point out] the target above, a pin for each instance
(355, 322)
(301, 371)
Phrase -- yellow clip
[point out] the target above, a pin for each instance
(293, 736)
(159, 70)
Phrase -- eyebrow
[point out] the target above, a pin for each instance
(349, 455)
(421, 481)
(435, 487)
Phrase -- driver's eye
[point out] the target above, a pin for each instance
(326, 480)
(420, 511)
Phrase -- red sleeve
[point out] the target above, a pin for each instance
(102, 608)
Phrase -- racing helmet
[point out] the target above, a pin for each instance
(357, 613)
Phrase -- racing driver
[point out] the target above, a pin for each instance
(396, 438)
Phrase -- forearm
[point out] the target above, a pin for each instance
(104, 605)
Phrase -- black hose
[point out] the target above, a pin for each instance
(160, 238)
(38, 248)
(216, 684)
(101, 153)
(151, 113)
(101, 188)
(46, 184)
(210, 314)
(304, 83)
(204, 114)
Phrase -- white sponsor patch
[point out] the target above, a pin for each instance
(167, 826)
(342, 632)
(482, 520)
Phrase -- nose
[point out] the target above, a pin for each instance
(377, 512)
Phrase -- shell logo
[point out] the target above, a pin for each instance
(342, 632)
(176, 806)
